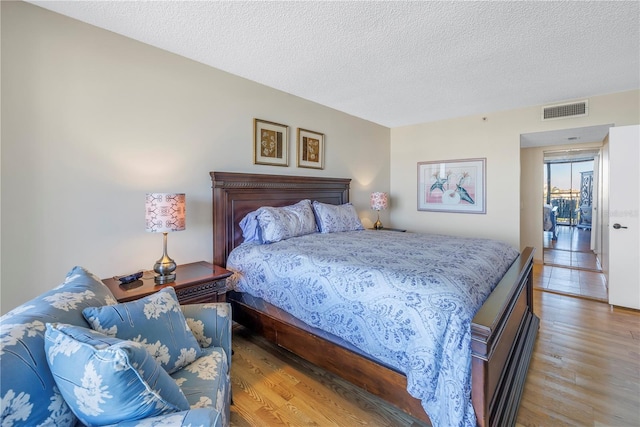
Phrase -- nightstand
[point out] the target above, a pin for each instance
(389, 229)
(195, 283)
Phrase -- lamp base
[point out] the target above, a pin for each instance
(165, 266)
(166, 278)
(378, 225)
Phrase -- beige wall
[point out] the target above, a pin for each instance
(467, 137)
(495, 136)
(92, 121)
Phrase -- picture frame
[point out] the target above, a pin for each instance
(270, 143)
(310, 149)
(452, 186)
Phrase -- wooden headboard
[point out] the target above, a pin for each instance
(237, 194)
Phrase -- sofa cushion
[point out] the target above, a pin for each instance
(27, 389)
(156, 321)
(210, 324)
(106, 380)
(205, 382)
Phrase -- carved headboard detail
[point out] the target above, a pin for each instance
(237, 194)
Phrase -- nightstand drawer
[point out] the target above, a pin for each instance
(213, 291)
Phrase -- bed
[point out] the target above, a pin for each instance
(503, 330)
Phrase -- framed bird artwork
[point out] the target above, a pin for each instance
(452, 186)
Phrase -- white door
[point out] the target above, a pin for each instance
(623, 225)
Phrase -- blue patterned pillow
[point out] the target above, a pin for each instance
(107, 380)
(156, 321)
(334, 218)
(289, 221)
(28, 392)
(251, 228)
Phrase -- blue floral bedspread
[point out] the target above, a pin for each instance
(406, 299)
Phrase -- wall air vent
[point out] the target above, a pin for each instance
(564, 111)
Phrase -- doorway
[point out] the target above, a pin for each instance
(578, 273)
(568, 204)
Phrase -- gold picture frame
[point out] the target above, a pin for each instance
(310, 149)
(270, 143)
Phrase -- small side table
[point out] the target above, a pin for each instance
(389, 229)
(195, 283)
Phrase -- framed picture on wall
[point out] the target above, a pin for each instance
(270, 143)
(452, 186)
(310, 149)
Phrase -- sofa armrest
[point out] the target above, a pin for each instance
(211, 324)
(192, 417)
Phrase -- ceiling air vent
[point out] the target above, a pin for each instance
(563, 111)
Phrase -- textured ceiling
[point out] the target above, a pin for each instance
(396, 63)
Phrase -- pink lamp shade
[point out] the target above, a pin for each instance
(379, 201)
(165, 212)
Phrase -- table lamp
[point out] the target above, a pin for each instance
(378, 202)
(165, 212)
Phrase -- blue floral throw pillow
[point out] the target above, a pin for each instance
(28, 392)
(155, 321)
(107, 380)
(286, 222)
(336, 218)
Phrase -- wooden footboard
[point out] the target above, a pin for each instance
(502, 336)
(503, 330)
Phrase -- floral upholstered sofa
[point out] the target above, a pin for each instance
(73, 356)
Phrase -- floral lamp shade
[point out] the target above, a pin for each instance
(379, 201)
(165, 212)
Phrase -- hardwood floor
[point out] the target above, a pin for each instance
(585, 371)
(272, 387)
(570, 266)
(571, 249)
(569, 239)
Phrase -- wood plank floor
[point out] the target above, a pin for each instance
(586, 365)
(572, 248)
(569, 239)
(570, 266)
(585, 371)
